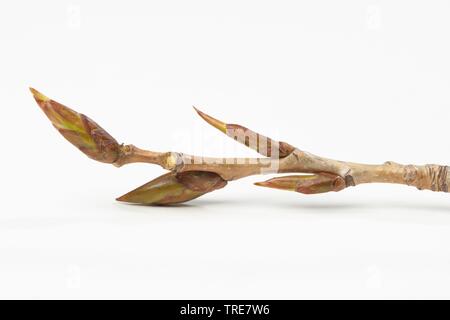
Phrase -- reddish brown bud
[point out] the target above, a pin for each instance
(258, 142)
(307, 184)
(79, 130)
(174, 188)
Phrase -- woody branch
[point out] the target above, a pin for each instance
(323, 175)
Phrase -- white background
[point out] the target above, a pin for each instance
(365, 81)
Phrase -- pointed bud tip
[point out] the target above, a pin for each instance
(222, 126)
(261, 184)
(39, 97)
(121, 198)
(127, 197)
(275, 184)
(282, 183)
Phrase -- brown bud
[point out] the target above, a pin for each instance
(307, 184)
(258, 142)
(174, 188)
(79, 130)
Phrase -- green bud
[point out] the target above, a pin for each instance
(174, 188)
(79, 130)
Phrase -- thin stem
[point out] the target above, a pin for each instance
(132, 154)
(328, 174)
(432, 177)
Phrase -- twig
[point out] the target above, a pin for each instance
(193, 176)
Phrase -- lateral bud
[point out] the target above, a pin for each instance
(307, 184)
(173, 188)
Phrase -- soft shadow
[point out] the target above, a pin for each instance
(271, 204)
(193, 204)
(324, 206)
(419, 206)
(369, 205)
(178, 205)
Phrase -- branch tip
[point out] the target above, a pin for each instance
(78, 129)
(38, 96)
(222, 126)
